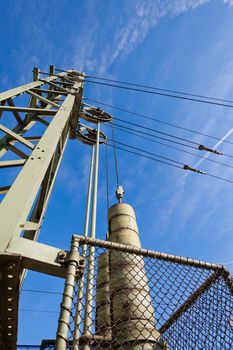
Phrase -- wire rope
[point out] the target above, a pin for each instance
(160, 93)
(170, 164)
(121, 129)
(158, 120)
(160, 89)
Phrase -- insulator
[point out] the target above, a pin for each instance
(120, 193)
(88, 135)
(204, 148)
(188, 167)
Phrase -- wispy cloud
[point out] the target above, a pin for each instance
(215, 147)
(201, 205)
(127, 33)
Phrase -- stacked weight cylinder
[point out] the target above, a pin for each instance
(124, 308)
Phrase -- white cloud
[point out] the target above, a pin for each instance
(139, 19)
(228, 2)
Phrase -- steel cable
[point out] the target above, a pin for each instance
(121, 129)
(167, 163)
(160, 89)
(159, 121)
(160, 93)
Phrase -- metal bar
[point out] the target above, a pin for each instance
(77, 322)
(64, 78)
(21, 89)
(51, 91)
(69, 71)
(46, 188)
(99, 339)
(20, 197)
(11, 163)
(2, 103)
(65, 313)
(36, 256)
(42, 121)
(229, 281)
(64, 83)
(4, 189)
(91, 259)
(62, 89)
(95, 188)
(17, 151)
(17, 137)
(16, 114)
(40, 207)
(87, 216)
(148, 253)
(44, 99)
(29, 121)
(191, 300)
(28, 110)
(9, 300)
(32, 138)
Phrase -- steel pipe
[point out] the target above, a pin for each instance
(91, 259)
(67, 299)
(148, 253)
(81, 284)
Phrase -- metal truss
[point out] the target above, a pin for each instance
(53, 104)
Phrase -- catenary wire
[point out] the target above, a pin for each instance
(40, 291)
(148, 86)
(148, 157)
(159, 93)
(155, 136)
(157, 131)
(160, 89)
(147, 152)
(158, 120)
(41, 311)
(121, 129)
(170, 164)
(167, 134)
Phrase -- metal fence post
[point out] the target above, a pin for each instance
(67, 299)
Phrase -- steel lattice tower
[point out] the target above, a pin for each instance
(25, 200)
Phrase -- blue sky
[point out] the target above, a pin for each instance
(177, 44)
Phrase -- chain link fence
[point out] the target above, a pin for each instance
(131, 298)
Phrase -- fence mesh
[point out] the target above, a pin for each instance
(131, 301)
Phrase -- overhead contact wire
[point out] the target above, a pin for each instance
(172, 147)
(160, 89)
(157, 131)
(170, 164)
(199, 146)
(155, 136)
(159, 121)
(160, 93)
(148, 157)
(147, 152)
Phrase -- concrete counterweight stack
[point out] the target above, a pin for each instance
(129, 309)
